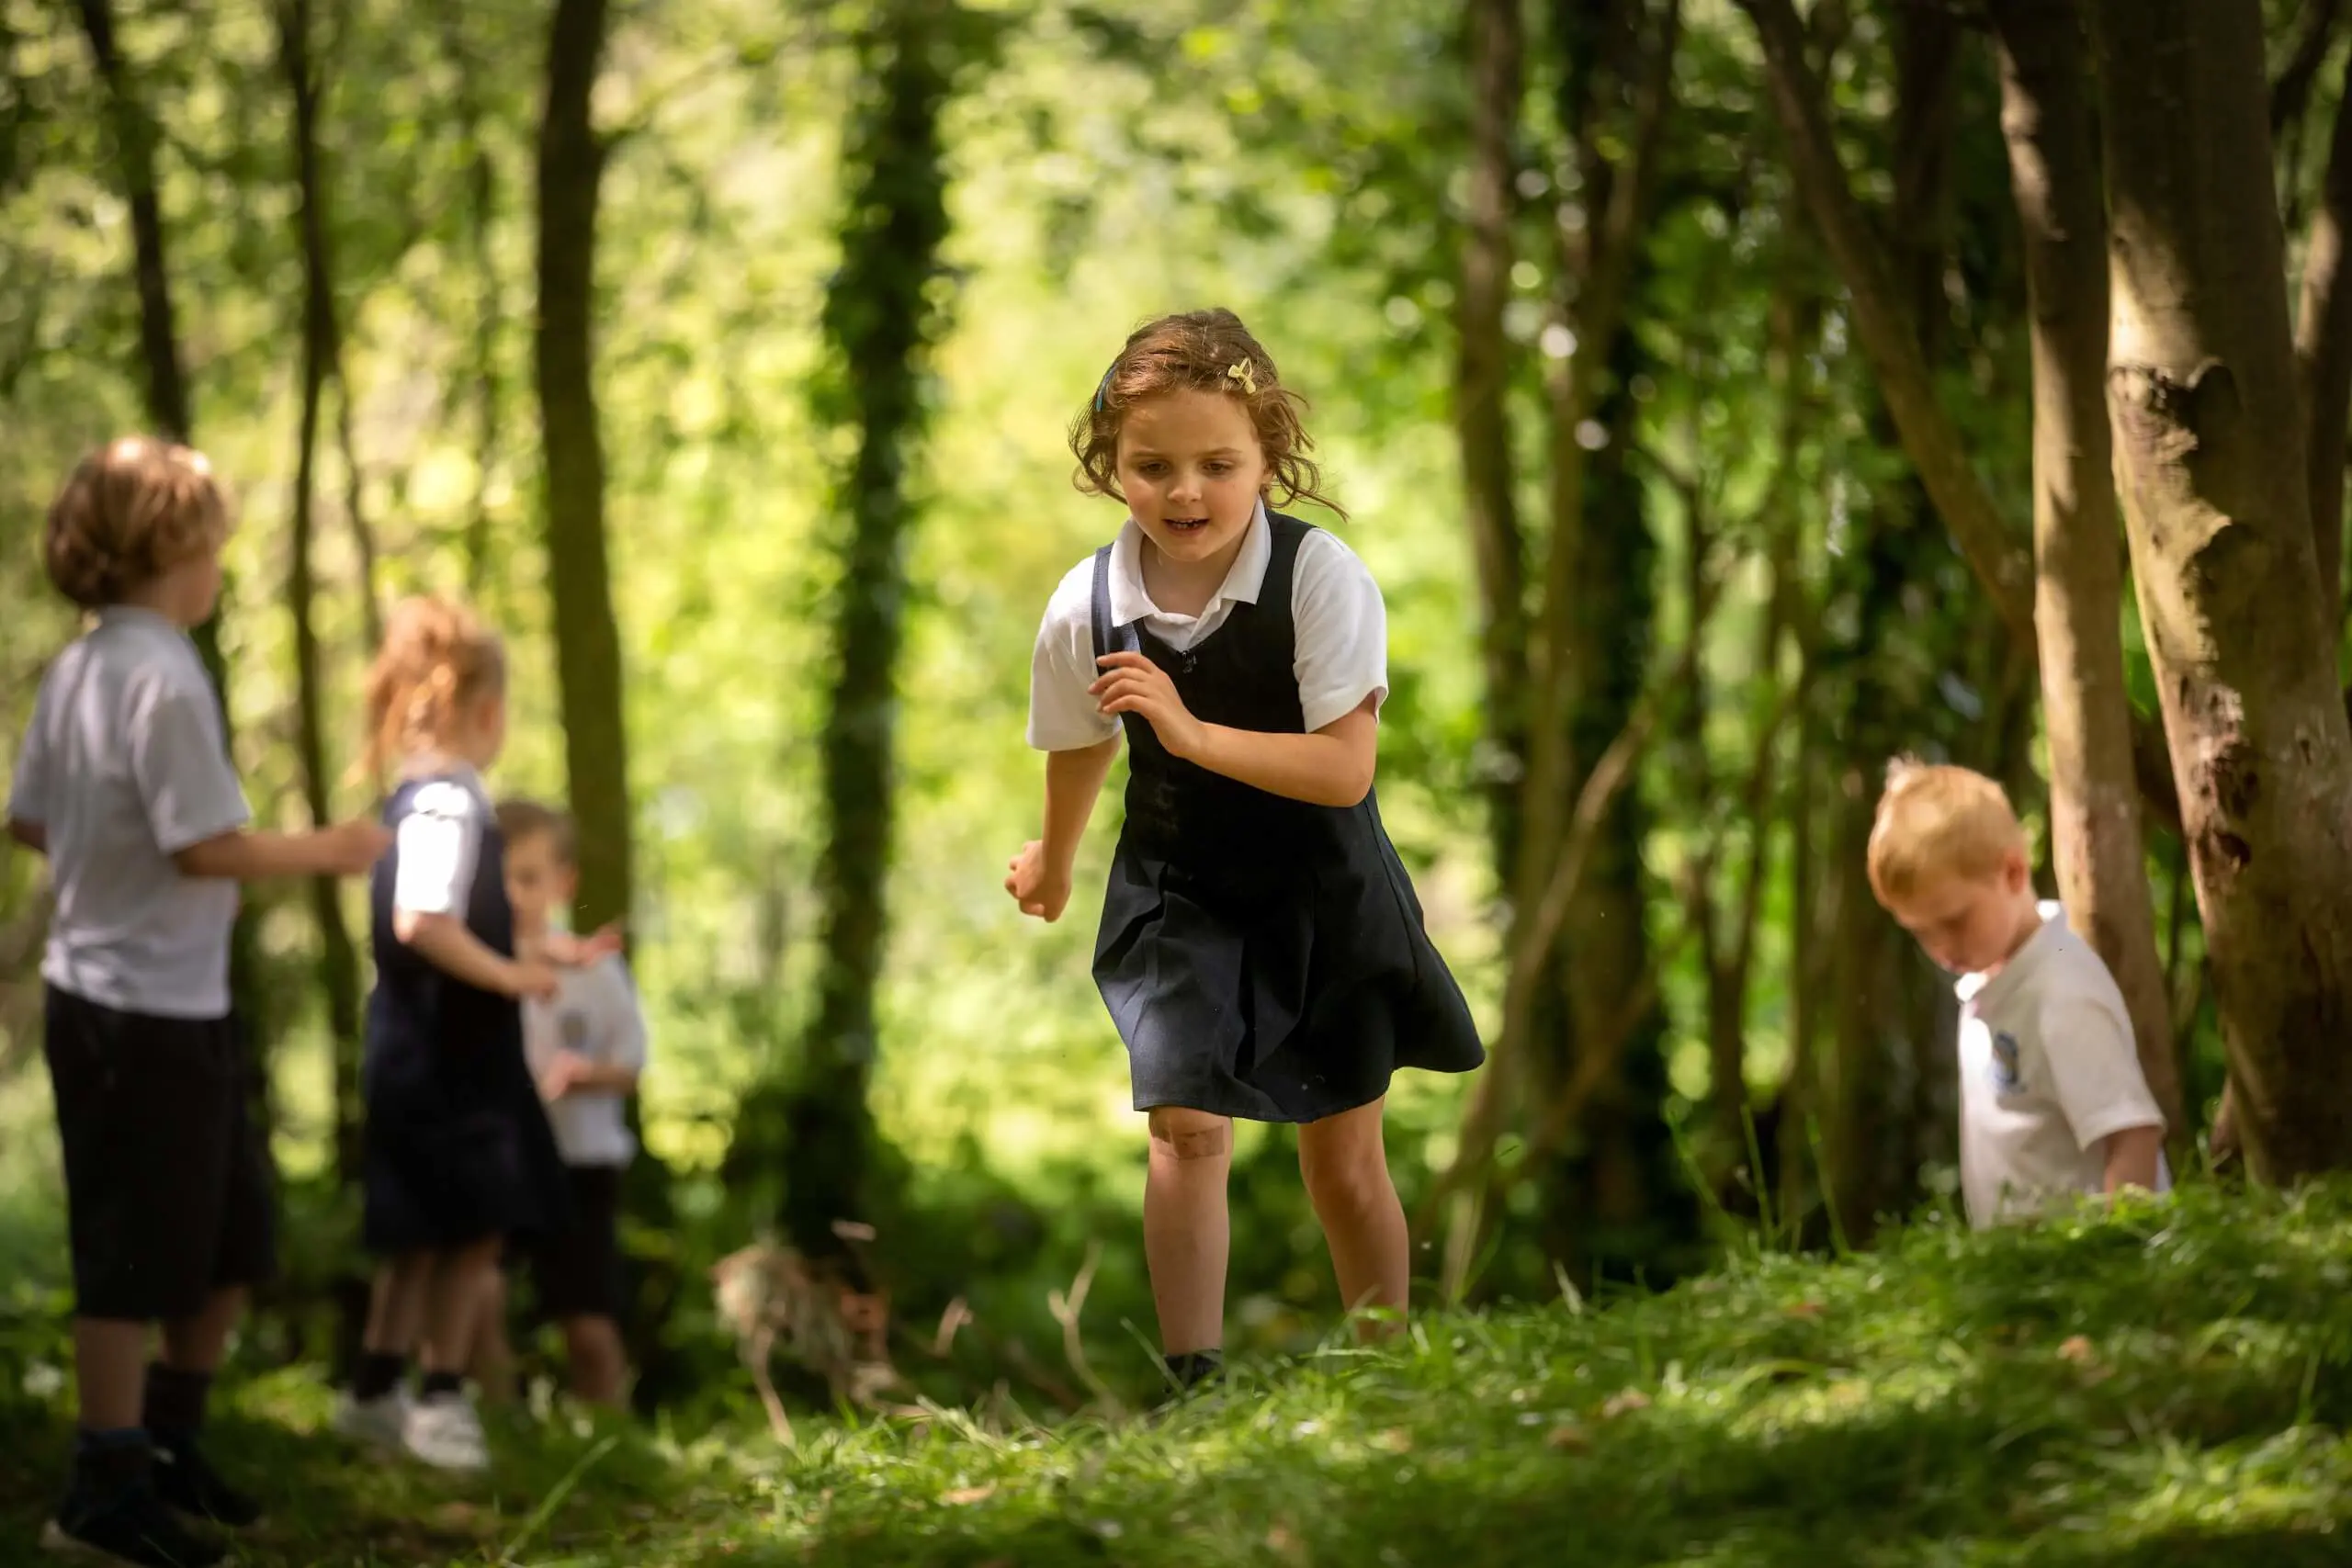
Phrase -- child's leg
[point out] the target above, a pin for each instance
(194, 1344)
(593, 1345)
(493, 1358)
(1185, 1228)
(110, 1372)
(454, 1298)
(1346, 1167)
(396, 1305)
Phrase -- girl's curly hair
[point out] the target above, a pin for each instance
(1201, 351)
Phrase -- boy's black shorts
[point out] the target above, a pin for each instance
(578, 1269)
(170, 1194)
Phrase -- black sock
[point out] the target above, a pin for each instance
(380, 1373)
(108, 1461)
(1189, 1368)
(436, 1384)
(175, 1404)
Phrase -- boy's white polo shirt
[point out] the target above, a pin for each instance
(2048, 1070)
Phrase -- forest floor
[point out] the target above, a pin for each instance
(2163, 1384)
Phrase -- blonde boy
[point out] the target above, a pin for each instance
(124, 782)
(586, 1047)
(2052, 1102)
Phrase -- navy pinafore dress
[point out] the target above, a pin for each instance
(456, 1146)
(1263, 957)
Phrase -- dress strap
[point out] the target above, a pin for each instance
(1281, 564)
(1108, 638)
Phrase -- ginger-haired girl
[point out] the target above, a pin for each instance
(1261, 948)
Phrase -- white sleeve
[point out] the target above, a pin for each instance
(179, 760)
(2095, 1069)
(438, 843)
(29, 800)
(1340, 646)
(624, 1017)
(1062, 716)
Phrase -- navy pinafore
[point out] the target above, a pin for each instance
(456, 1146)
(1263, 957)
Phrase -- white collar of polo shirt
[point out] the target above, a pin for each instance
(139, 616)
(1131, 603)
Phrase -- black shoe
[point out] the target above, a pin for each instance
(186, 1480)
(131, 1526)
(1191, 1373)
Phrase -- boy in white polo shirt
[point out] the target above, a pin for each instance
(2052, 1103)
(125, 783)
(586, 1047)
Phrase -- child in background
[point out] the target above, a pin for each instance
(459, 1156)
(1261, 948)
(126, 783)
(586, 1048)
(2052, 1102)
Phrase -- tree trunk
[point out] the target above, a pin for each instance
(1883, 326)
(2210, 458)
(1482, 419)
(587, 642)
(2047, 117)
(481, 199)
(1600, 229)
(881, 319)
(1890, 1039)
(170, 413)
(1623, 1206)
(2324, 360)
(338, 959)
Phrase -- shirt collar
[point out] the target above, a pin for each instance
(139, 616)
(1243, 579)
(1988, 991)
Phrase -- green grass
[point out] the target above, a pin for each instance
(2163, 1384)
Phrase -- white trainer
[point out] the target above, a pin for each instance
(445, 1432)
(380, 1423)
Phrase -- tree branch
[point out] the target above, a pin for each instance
(1996, 553)
(2291, 94)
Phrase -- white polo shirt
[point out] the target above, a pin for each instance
(2048, 1070)
(1339, 656)
(125, 764)
(594, 1013)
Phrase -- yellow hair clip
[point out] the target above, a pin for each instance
(1241, 370)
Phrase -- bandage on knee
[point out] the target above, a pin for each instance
(1192, 1142)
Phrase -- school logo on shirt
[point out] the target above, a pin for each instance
(2006, 1079)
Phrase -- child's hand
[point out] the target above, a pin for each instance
(571, 951)
(563, 1074)
(351, 849)
(1036, 886)
(1133, 684)
(531, 979)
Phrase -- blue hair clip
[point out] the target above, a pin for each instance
(1103, 387)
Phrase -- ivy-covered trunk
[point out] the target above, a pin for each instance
(883, 313)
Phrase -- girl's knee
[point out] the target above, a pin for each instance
(1188, 1134)
(1344, 1165)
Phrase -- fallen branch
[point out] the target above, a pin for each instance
(1066, 1307)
